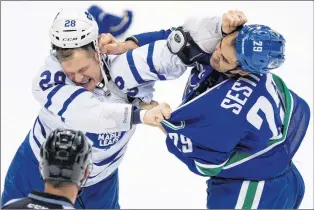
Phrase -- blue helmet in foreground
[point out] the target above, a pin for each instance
(259, 48)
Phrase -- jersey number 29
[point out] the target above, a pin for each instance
(185, 144)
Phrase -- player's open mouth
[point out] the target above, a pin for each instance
(85, 82)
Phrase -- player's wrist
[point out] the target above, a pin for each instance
(127, 45)
(222, 32)
(142, 114)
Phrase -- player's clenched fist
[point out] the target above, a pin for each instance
(109, 45)
(231, 20)
(157, 114)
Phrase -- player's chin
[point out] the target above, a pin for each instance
(90, 86)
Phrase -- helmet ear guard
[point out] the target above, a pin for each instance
(259, 48)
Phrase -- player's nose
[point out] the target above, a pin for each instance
(215, 59)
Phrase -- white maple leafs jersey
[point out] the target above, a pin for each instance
(136, 71)
(106, 121)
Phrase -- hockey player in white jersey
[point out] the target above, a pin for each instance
(77, 89)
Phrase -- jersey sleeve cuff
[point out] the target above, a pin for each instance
(133, 39)
(138, 116)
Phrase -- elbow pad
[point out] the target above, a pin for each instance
(181, 44)
(196, 39)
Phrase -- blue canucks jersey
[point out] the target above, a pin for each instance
(243, 127)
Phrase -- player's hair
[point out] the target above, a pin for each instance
(64, 54)
(58, 183)
(65, 158)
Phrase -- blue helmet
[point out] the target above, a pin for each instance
(259, 48)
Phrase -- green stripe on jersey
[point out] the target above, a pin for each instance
(251, 191)
(209, 171)
(238, 158)
(172, 126)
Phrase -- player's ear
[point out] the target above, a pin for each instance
(96, 56)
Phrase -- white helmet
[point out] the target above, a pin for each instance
(72, 29)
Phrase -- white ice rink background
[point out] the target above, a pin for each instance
(150, 177)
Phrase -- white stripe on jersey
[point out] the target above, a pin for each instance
(258, 195)
(11, 201)
(67, 207)
(242, 194)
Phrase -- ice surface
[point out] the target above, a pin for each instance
(150, 177)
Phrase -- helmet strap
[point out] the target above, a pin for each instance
(235, 68)
(102, 84)
(230, 70)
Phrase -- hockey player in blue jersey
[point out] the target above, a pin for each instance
(238, 123)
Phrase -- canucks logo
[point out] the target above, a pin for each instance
(105, 140)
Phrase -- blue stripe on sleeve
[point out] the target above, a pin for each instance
(133, 68)
(146, 38)
(34, 137)
(150, 61)
(69, 100)
(51, 94)
(43, 132)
